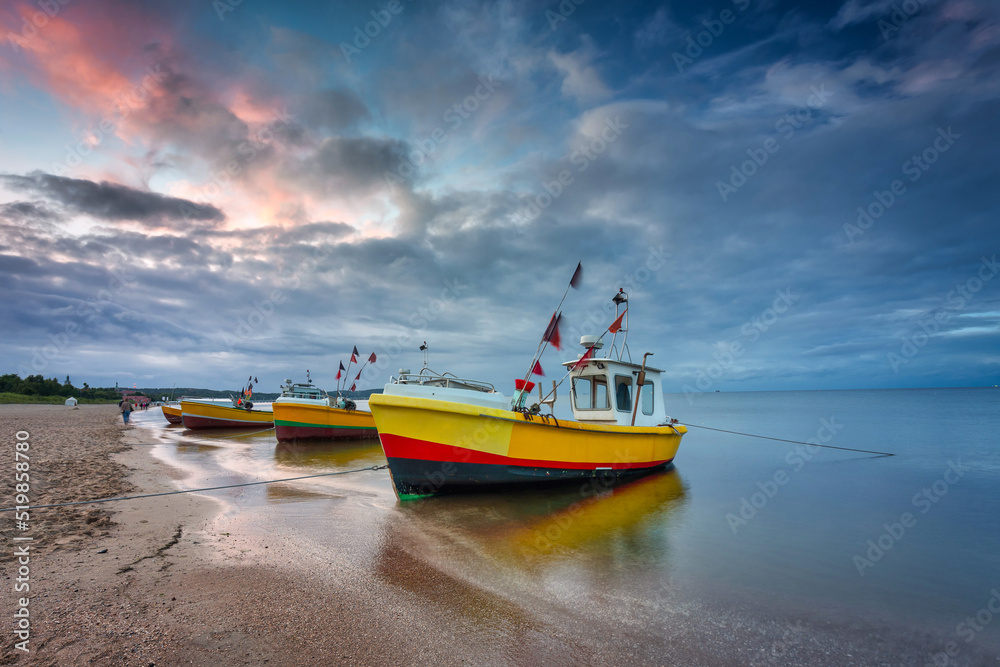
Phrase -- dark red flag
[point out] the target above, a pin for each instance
(617, 324)
(537, 370)
(354, 355)
(589, 354)
(552, 331)
(354, 386)
(340, 370)
(372, 358)
(358, 377)
(574, 282)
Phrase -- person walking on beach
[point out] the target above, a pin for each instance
(126, 409)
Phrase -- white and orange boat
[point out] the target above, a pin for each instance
(441, 433)
(306, 412)
(208, 413)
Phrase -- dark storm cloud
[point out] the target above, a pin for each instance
(332, 110)
(347, 165)
(112, 202)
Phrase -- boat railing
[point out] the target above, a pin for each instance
(431, 378)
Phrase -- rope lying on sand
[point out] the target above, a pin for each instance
(796, 442)
(208, 488)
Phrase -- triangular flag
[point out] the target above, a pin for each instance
(342, 366)
(583, 360)
(358, 377)
(354, 355)
(537, 370)
(617, 324)
(354, 386)
(552, 331)
(340, 370)
(574, 282)
(372, 358)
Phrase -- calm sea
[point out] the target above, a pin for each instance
(910, 540)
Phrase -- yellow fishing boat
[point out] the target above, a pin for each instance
(172, 413)
(206, 413)
(304, 411)
(441, 433)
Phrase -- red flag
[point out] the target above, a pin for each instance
(340, 370)
(354, 386)
(358, 377)
(372, 358)
(589, 354)
(354, 355)
(617, 324)
(537, 370)
(574, 282)
(552, 331)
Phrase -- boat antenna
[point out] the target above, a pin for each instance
(552, 331)
(425, 350)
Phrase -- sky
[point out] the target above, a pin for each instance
(793, 195)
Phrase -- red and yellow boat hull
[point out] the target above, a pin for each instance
(198, 415)
(303, 421)
(173, 415)
(434, 446)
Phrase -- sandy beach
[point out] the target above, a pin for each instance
(165, 581)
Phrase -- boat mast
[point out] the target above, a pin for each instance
(621, 299)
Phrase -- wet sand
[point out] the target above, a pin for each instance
(183, 582)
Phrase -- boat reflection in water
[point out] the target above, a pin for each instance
(313, 457)
(483, 548)
(329, 455)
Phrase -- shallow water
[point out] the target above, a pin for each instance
(800, 547)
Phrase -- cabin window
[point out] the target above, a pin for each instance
(591, 393)
(601, 401)
(646, 396)
(581, 393)
(623, 393)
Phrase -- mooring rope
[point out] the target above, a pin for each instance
(208, 488)
(796, 442)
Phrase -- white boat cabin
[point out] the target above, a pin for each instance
(603, 391)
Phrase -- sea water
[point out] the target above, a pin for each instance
(783, 528)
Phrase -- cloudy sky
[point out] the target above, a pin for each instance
(796, 195)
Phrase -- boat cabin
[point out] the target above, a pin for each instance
(302, 390)
(605, 390)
